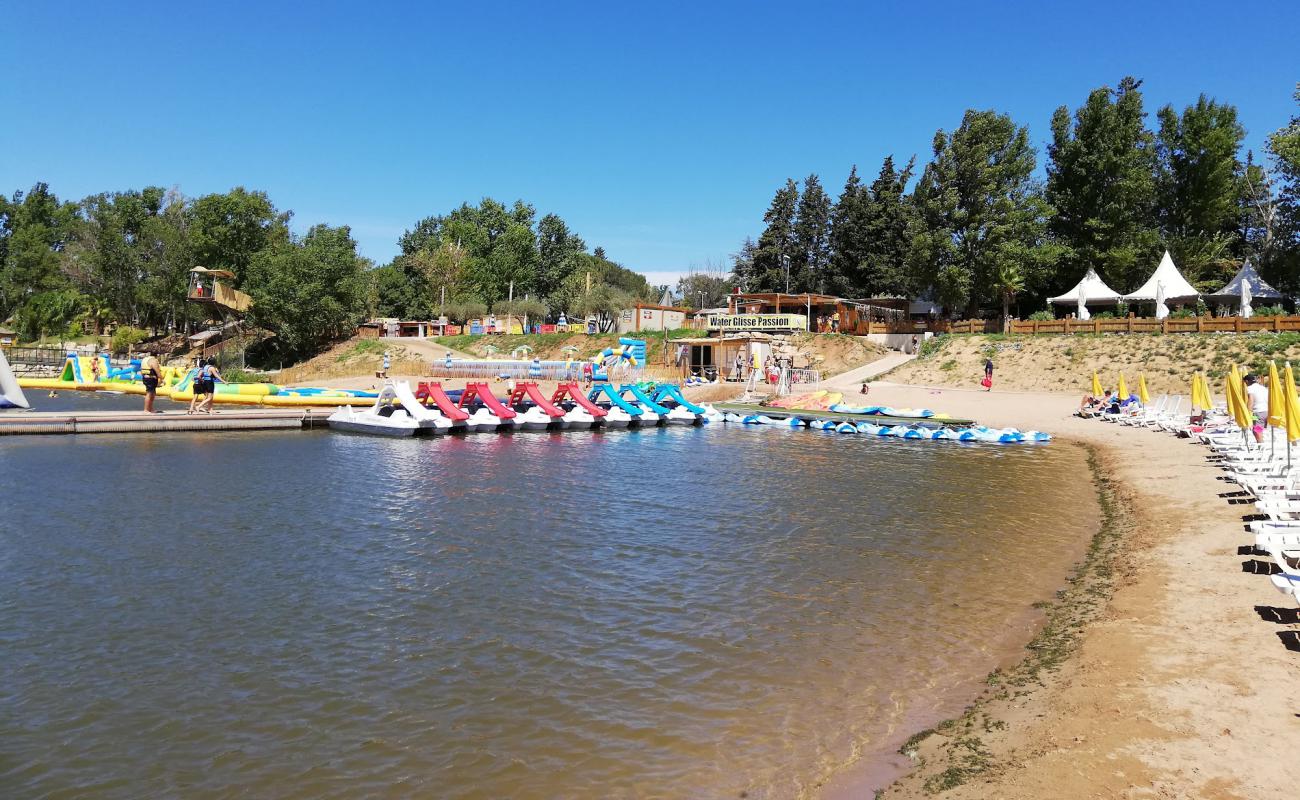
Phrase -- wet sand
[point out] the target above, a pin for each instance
(1182, 685)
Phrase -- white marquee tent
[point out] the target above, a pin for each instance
(1167, 282)
(1095, 292)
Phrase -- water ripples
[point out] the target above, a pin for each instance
(662, 613)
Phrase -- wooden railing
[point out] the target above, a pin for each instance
(1153, 325)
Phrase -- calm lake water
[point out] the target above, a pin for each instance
(663, 613)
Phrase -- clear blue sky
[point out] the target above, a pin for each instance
(657, 130)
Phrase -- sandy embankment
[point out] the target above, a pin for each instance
(1182, 684)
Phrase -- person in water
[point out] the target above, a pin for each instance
(150, 375)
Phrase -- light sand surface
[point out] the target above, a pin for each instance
(1183, 685)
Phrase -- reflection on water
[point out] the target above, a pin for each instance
(675, 612)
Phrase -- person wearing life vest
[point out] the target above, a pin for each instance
(150, 375)
(205, 386)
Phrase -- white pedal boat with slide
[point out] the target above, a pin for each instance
(395, 412)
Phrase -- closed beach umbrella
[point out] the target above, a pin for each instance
(1276, 398)
(1142, 389)
(1242, 409)
(1246, 310)
(1292, 406)
(1162, 310)
(1196, 390)
(1083, 301)
(1097, 391)
(1123, 388)
(1230, 397)
(1206, 395)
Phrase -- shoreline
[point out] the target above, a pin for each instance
(1171, 685)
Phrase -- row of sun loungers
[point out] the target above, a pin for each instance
(1267, 475)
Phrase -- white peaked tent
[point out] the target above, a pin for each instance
(1175, 286)
(1093, 291)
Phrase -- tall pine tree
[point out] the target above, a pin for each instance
(777, 242)
(884, 266)
(1101, 182)
(848, 236)
(812, 258)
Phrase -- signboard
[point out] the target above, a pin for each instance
(758, 322)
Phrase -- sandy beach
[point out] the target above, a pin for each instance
(1180, 685)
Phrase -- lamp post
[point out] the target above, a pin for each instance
(785, 260)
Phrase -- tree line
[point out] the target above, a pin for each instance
(123, 258)
(979, 229)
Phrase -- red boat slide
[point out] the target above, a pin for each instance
(483, 393)
(572, 390)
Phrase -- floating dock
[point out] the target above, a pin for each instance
(50, 422)
(840, 416)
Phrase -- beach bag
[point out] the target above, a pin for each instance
(987, 383)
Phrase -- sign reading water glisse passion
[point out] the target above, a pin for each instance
(758, 322)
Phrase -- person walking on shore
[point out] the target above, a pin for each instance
(987, 383)
(150, 375)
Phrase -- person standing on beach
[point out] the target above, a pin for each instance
(1258, 406)
(988, 375)
(387, 363)
(150, 375)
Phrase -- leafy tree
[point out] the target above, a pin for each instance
(978, 211)
(34, 229)
(309, 292)
(1198, 183)
(776, 246)
(1284, 146)
(704, 289)
(1101, 182)
(558, 249)
(229, 230)
(464, 309)
(812, 248)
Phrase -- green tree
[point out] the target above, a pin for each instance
(1101, 183)
(848, 235)
(978, 211)
(1284, 147)
(883, 269)
(34, 229)
(776, 246)
(309, 292)
(708, 289)
(812, 248)
(229, 230)
(1198, 183)
(743, 272)
(557, 251)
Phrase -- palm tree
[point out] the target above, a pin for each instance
(1009, 282)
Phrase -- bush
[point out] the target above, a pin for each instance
(1042, 316)
(1270, 311)
(125, 338)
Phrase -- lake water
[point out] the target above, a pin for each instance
(677, 612)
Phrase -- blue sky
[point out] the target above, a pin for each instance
(657, 130)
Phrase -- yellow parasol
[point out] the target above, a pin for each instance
(1142, 390)
(1241, 410)
(1276, 398)
(1097, 391)
(1123, 388)
(1198, 400)
(1292, 412)
(1206, 397)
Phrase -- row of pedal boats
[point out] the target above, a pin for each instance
(974, 433)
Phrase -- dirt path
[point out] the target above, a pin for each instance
(1183, 684)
